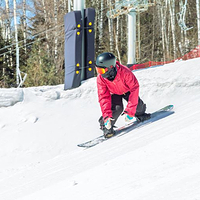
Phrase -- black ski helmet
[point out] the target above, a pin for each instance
(106, 60)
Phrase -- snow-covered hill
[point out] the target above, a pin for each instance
(40, 128)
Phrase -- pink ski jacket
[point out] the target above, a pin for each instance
(124, 82)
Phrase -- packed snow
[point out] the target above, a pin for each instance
(40, 128)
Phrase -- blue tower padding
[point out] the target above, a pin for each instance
(89, 42)
(73, 49)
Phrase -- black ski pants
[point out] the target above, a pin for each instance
(117, 106)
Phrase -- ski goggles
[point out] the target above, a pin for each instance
(101, 70)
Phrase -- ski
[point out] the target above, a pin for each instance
(155, 116)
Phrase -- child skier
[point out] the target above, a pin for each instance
(116, 82)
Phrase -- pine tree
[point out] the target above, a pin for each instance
(41, 69)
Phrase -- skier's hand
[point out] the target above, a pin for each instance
(108, 123)
(128, 118)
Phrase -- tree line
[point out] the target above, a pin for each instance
(40, 35)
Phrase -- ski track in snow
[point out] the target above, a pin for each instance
(41, 126)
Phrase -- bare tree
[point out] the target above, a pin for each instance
(101, 25)
(24, 24)
(163, 28)
(198, 20)
(117, 38)
(56, 30)
(16, 41)
(8, 34)
(110, 29)
(172, 17)
(46, 26)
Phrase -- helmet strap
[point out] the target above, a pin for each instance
(110, 74)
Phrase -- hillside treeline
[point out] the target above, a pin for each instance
(39, 32)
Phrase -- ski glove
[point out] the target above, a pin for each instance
(108, 123)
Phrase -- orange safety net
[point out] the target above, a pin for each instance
(195, 53)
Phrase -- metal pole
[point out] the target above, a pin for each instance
(69, 5)
(131, 37)
(80, 5)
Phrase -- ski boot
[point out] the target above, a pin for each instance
(143, 117)
(108, 133)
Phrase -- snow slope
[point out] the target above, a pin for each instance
(40, 128)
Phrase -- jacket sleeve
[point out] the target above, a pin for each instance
(133, 85)
(104, 98)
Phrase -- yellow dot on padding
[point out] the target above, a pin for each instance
(90, 69)
(78, 33)
(78, 25)
(90, 62)
(90, 30)
(90, 23)
(78, 65)
(77, 72)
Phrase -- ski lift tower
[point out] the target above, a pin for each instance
(130, 7)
